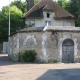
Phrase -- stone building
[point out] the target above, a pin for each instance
(52, 34)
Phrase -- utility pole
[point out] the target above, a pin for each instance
(9, 32)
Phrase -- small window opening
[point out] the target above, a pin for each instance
(48, 15)
(48, 23)
(32, 23)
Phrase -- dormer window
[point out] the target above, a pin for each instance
(48, 14)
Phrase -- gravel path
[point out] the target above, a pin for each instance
(21, 71)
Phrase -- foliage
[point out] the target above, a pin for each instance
(28, 56)
(55, 61)
(78, 22)
(19, 4)
(74, 7)
(17, 10)
(19, 58)
(36, 1)
(16, 21)
(63, 3)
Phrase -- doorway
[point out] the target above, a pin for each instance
(68, 51)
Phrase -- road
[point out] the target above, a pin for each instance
(23, 71)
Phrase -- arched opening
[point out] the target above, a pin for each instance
(68, 51)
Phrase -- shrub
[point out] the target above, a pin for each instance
(19, 57)
(28, 56)
(55, 61)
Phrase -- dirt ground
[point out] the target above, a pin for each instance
(23, 71)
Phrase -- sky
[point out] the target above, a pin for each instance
(5, 2)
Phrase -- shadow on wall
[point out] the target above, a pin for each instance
(61, 74)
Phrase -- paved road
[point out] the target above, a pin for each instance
(4, 60)
(4, 57)
(22, 71)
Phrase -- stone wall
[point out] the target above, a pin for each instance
(5, 47)
(48, 45)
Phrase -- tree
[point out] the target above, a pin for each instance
(16, 21)
(63, 3)
(74, 7)
(21, 5)
(1, 39)
(17, 9)
(36, 1)
(78, 22)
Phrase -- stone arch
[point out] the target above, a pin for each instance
(67, 51)
(65, 37)
(28, 40)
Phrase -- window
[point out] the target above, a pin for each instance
(48, 23)
(67, 23)
(32, 23)
(48, 15)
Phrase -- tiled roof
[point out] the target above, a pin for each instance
(49, 5)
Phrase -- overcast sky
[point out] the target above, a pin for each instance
(5, 2)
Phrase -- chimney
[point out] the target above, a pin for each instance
(30, 4)
(27, 5)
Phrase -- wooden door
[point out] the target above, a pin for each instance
(68, 51)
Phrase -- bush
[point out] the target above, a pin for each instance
(55, 61)
(19, 57)
(28, 56)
